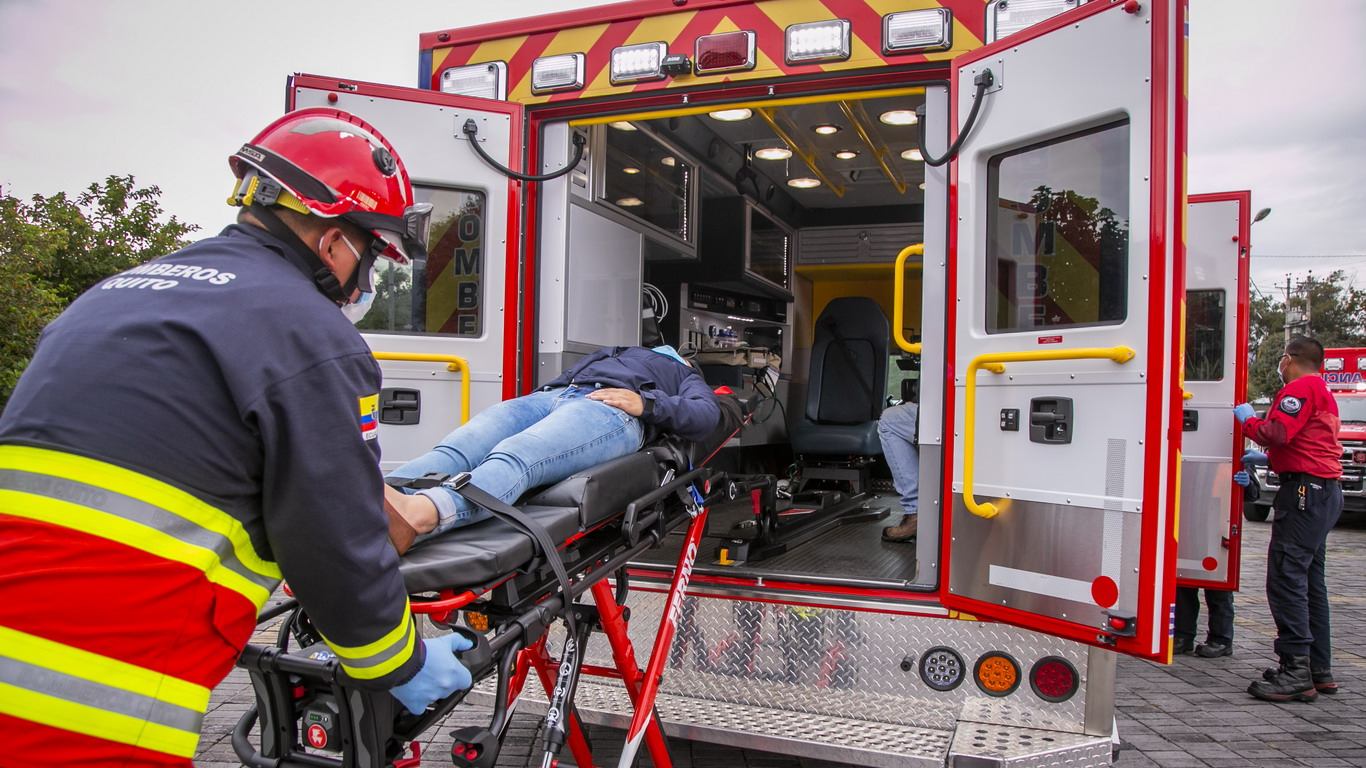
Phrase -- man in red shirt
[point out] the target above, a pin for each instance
(1300, 435)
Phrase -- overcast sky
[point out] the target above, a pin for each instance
(166, 89)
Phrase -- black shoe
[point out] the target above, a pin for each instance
(1183, 646)
(1213, 650)
(903, 531)
(1291, 683)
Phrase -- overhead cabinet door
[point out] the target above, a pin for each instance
(1066, 269)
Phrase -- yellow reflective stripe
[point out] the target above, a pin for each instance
(89, 721)
(372, 660)
(260, 575)
(136, 535)
(73, 689)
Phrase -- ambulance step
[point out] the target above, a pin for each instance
(984, 744)
(819, 737)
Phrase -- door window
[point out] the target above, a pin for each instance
(1058, 234)
(449, 295)
(1205, 335)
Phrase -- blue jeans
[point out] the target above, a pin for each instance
(897, 429)
(522, 443)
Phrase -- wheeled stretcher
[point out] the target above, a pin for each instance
(525, 570)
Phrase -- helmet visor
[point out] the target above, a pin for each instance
(409, 245)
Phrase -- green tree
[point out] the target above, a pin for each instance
(52, 249)
(1337, 318)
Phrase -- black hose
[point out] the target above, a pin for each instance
(471, 130)
(983, 82)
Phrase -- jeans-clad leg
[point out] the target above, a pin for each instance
(897, 430)
(575, 434)
(471, 443)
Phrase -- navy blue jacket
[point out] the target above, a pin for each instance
(683, 403)
(223, 370)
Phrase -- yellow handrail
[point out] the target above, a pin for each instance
(453, 363)
(899, 297)
(995, 362)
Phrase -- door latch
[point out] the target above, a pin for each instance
(400, 406)
(1050, 420)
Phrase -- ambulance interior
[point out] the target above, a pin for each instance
(753, 219)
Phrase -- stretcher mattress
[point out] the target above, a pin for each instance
(483, 552)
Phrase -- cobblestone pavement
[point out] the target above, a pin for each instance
(1193, 713)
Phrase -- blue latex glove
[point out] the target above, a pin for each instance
(1243, 412)
(1242, 478)
(441, 674)
(1254, 457)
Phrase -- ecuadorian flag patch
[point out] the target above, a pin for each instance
(369, 416)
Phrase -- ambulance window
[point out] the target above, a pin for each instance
(1204, 335)
(446, 295)
(1058, 242)
(649, 181)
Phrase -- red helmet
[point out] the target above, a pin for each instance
(333, 164)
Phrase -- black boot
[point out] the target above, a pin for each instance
(1183, 645)
(1290, 683)
(1323, 679)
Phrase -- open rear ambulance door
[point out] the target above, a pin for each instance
(463, 301)
(1066, 275)
(1217, 310)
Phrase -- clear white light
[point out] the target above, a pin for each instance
(826, 130)
(1007, 18)
(633, 63)
(846, 154)
(630, 201)
(928, 29)
(630, 170)
(922, 185)
(557, 73)
(818, 41)
(1333, 364)
(620, 126)
(899, 117)
(668, 160)
(731, 115)
(804, 183)
(1361, 363)
(773, 153)
(913, 154)
(485, 81)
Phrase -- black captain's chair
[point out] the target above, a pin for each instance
(836, 439)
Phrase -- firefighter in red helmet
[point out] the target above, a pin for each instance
(188, 433)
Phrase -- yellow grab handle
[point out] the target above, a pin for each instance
(899, 296)
(453, 363)
(995, 362)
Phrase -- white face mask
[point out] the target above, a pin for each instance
(356, 310)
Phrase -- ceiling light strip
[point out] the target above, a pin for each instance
(879, 151)
(767, 113)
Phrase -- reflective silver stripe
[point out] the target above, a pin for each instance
(380, 657)
(98, 695)
(136, 511)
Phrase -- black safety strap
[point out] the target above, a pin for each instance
(540, 537)
(852, 363)
(304, 259)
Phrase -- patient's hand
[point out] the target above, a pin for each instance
(624, 399)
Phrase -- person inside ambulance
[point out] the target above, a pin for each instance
(898, 429)
(187, 434)
(607, 405)
(1300, 434)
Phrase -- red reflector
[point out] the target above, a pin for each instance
(724, 390)
(1118, 623)
(1359, 457)
(1054, 679)
(724, 52)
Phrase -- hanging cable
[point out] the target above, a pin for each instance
(983, 82)
(659, 303)
(471, 130)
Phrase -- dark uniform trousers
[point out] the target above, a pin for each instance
(1306, 509)
(1220, 604)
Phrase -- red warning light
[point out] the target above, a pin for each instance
(725, 52)
(1054, 679)
(1118, 623)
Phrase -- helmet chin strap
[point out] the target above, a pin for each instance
(306, 260)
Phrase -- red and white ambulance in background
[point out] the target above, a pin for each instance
(1080, 326)
(1344, 371)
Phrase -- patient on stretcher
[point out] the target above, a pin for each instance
(607, 405)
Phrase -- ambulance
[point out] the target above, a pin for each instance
(1003, 185)
(1344, 371)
